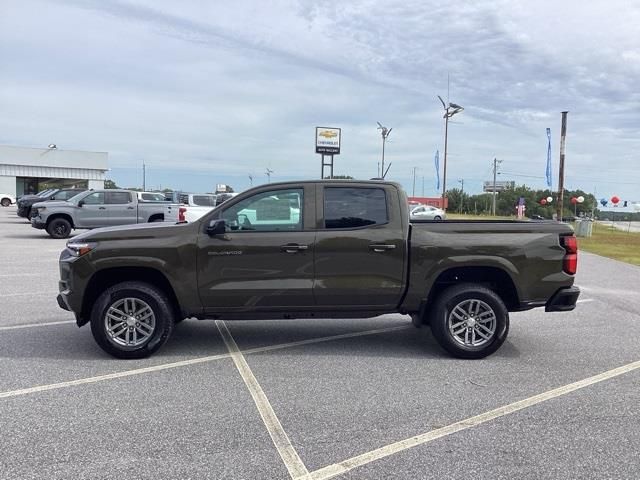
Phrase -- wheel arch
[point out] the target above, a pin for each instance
(493, 278)
(157, 217)
(66, 216)
(105, 278)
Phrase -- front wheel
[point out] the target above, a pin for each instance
(5, 202)
(132, 320)
(59, 228)
(470, 321)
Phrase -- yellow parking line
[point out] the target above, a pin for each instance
(280, 439)
(344, 466)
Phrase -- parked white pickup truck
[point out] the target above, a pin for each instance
(100, 208)
(197, 205)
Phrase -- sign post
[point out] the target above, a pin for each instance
(328, 144)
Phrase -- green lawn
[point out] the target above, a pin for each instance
(612, 243)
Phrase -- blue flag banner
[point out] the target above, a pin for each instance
(437, 162)
(549, 158)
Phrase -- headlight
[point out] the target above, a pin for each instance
(78, 249)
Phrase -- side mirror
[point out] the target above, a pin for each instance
(216, 227)
(81, 203)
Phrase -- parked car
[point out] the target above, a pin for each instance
(427, 212)
(7, 200)
(223, 197)
(100, 208)
(25, 204)
(350, 251)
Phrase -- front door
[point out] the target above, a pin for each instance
(361, 251)
(264, 261)
(93, 212)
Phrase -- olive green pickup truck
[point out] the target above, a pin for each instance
(328, 248)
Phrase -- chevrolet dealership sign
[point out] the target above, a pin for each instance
(328, 141)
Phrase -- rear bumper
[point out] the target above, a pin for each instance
(563, 300)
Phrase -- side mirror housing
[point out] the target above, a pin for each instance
(81, 203)
(216, 227)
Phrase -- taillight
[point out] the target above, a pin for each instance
(570, 261)
(181, 212)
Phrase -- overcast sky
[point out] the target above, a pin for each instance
(212, 92)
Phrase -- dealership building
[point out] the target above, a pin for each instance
(30, 170)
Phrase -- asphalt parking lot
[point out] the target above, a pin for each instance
(353, 399)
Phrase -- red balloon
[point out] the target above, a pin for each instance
(574, 200)
(543, 201)
(615, 200)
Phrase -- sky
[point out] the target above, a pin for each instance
(215, 92)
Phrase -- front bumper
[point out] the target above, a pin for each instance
(564, 300)
(37, 223)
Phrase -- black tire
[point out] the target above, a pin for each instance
(488, 306)
(59, 228)
(437, 218)
(142, 292)
(5, 202)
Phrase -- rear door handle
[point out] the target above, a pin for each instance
(381, 247)
(129, 208)
(102, 208)
(293, 248)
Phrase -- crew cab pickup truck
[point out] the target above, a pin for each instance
(99, 208)
(317, 249)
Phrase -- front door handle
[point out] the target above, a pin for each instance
(129, 208)
(381, 247)
(293, 248)
(102, 208)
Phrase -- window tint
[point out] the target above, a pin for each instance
(118, 198)
(204, 200)
(65, 194)
(276, 210)
(354, 207)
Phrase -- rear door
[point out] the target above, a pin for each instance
(120, 207)
(360, 247)
(264, 261)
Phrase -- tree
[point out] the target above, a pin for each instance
(110, 184)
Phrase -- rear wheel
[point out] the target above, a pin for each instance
(59, 228)
(5, 202)
(437, 218)
(132, 320)
(470, 321)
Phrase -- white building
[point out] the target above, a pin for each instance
(29, 170)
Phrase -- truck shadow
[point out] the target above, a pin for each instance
(193, 338)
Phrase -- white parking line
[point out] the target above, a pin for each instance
(585, 300)
(29, 294)
(339, 468)
(184, 363)
(280, 439)
(32, 325)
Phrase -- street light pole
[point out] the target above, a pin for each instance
(461, 181)
(449, 111)
(413, 194)
(493, 192)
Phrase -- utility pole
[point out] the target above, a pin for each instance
(144, 177)
(563, 135)
(423, 185)
(413, 194)
(461, 181)
(384, 131)
(495, 170)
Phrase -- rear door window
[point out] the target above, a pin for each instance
(353, 207)
(118, 198)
